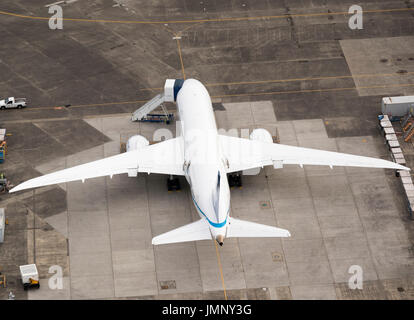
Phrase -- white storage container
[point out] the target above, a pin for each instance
(2, 224)
(408, 187)
(397, 106)
(410, 193)
(391, 137)
(404, 173)
(393, 143)
(405, 180)
(389, 130)
(386, 124)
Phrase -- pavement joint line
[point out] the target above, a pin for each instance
(220, 269)
(314, 90)
(92, 105)
(348, 182)
(367, 75)
(397, 85)
(293, 15)
(106, 190)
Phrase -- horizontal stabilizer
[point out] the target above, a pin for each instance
(194, 231)
(245, 229)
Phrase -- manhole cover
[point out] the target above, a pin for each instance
(264, 204)
(169, 284)
(277, 257)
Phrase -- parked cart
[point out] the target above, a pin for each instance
(30, 276)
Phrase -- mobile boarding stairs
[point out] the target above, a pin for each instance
(171, 88)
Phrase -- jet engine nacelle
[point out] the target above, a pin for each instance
(258, 135)
(136, 142)
(261, 135)
(264, 136)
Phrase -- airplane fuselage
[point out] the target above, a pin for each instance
(204, 164)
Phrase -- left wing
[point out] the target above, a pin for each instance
(244, 154)
(166, 157)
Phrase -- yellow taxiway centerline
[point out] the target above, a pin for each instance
(220, 269)
(292, 15)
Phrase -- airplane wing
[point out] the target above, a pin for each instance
(166, 157)
(244, 154)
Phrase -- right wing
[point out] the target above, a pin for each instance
(165, 157)
(244, 154)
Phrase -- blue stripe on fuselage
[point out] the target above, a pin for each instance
(215, 225)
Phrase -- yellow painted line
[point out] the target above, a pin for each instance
(220, 269)
(88, 105)
(150, 89)
(313, 90)
(237, 95)
(181, 57)
(373, 75)
(367, 75)
(187, 28)
(207, 20)
(107, 104)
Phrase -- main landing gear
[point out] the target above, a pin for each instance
(173, 184)
(235, 180)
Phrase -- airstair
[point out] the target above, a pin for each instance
(171, 88)
(141, 113)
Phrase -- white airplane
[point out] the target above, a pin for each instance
(205, 158)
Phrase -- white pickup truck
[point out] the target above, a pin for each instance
(12, 102)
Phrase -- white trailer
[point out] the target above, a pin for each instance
(397, 106)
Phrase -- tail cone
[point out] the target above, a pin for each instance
(220, 239)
